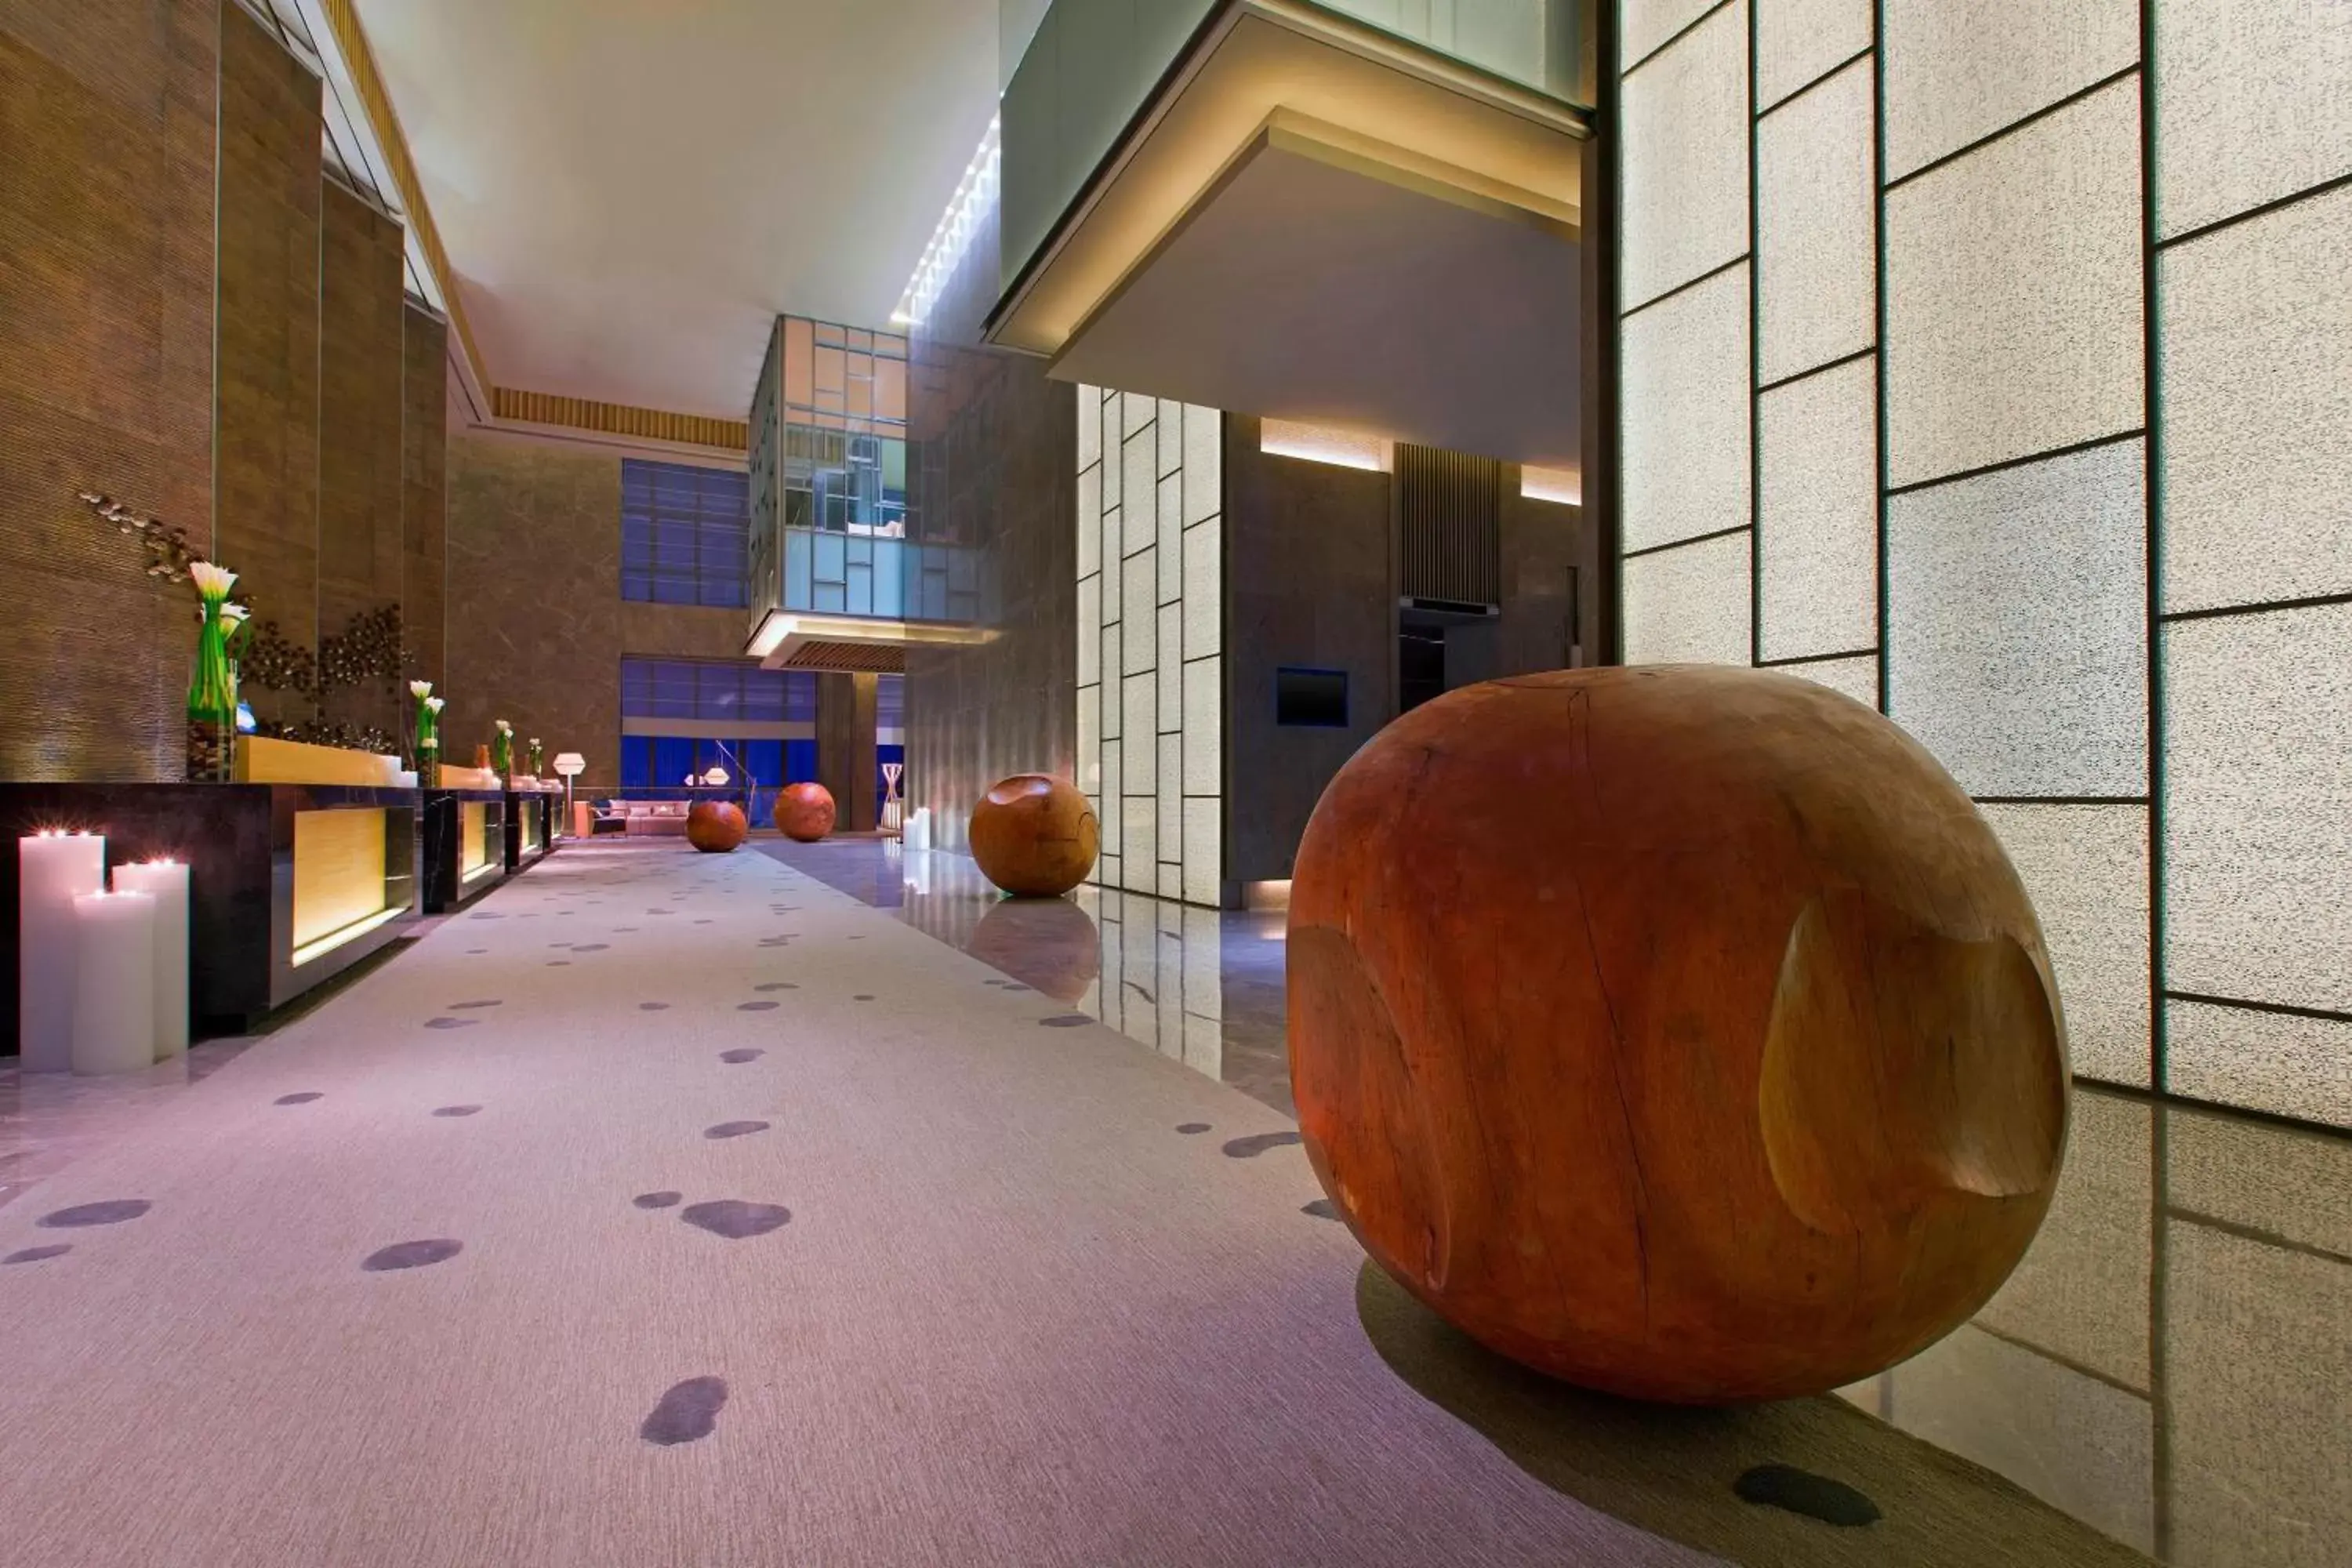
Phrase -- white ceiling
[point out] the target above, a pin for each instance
(629, 190)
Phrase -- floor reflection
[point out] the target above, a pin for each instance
(2171, 1363)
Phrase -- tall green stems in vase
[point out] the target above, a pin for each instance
(212, 690)
(502, 750)
(538, 758)
(428, 733)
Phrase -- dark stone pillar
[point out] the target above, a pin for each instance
(844, 748)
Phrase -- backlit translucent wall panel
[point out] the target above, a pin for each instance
(2254, 104)
(1688, 604)
(2013, 280)
(1685, 152)
(1817, 515)
(2256, 359)
(2053, 452)
(1959, 70)
(1150, 603)
(2258, 806)
(1160, 975)
(1817, 243)
(2016, 625)
(1799, 41)
(2085, 868)
(1685, 414)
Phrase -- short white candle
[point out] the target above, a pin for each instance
(114, 982)
(52, 871)
(167, 882)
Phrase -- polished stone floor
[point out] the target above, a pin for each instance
(2172, 1363)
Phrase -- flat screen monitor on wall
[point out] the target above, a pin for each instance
(1314, 698)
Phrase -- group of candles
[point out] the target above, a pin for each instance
(104, 982)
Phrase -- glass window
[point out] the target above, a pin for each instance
(686, 534)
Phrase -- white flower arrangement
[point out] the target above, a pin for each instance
(504, 728)
(212, 581)
(420, 690)
(435, 703)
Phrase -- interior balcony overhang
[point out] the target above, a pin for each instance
(864, 644)
(1315, 220)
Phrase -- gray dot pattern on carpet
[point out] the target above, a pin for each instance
(755, 1006)
(653, 1006)
(34, 1253)
(559, 964)
(687, 1413)
(112, 1211)
(1065, 1021)
(591, 947)
(735, 1218)
(457, 1109)
(735, 1129)
(472, 1007)
(412, 1254)
(305, 1098)
(1803, 1492)
(778, 985)
(1190, 1127)
(1257, 1143)
(448, 1023)
(657, 1200)
(741, 1054)
(1321, 1209)
(862, 996)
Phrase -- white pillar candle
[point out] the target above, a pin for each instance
(52, 871)
(167, 882)
(114, 982)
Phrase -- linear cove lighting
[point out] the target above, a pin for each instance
(974, 195)
(1321, 444)
(1564, 485)
(351, 933)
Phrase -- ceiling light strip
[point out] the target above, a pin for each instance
(974, 195)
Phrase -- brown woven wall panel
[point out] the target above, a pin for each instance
(105, 227)
(424, 491)
(268, 431)
(361, 363)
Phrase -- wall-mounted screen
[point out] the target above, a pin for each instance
(1316, 697)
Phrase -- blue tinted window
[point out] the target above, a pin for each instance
(686, 534)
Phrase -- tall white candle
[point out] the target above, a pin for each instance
(52, 871)
(167, 882)
(114, 982)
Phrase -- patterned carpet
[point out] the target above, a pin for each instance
(669, 1209)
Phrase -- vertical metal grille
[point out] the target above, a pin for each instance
(1450, 506)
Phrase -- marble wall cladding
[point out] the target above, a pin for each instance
(2085, 868)
(424, 491)
(2258, 806)
(1797, 41)
(2082, 1444)
(2251, 104)
(2081, 1292)
(2016, 625)
(1957, 73)
(1684, 381)
(1818, 512)
(1685, 152)
(2255, 324)
(2283, 1182)
(2284, 1063)
(2013, 285)
(1151, 605)
(1817, 226)
(994, 466)
(1689, 605)
(1646, 24)
(1857, 678)
(108, 223)
(2255, 1372)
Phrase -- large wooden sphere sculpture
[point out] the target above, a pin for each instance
(715, 827)
(1034, 836)
(805, 812)
(1682, 1032)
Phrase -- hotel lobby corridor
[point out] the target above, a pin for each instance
(667, 1208)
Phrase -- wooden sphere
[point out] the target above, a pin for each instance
(715, 827)
(1682, 1032)
(805, 812)
(1049, 944)
(1034, 836)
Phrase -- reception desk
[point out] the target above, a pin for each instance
(530, 827)
(465, 833)
(289, 883)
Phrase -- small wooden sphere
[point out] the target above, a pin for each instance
(805, 812)
(716, 826)
(1682, 1032)
(1034, 835)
